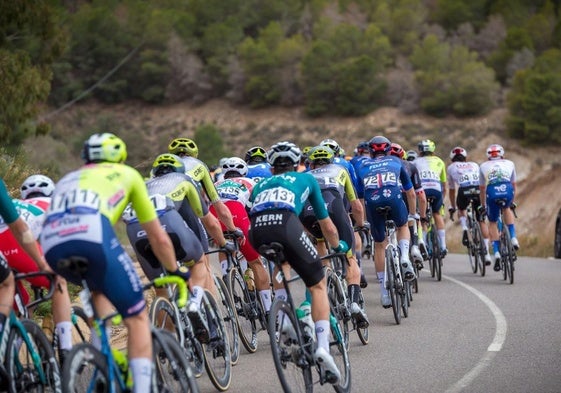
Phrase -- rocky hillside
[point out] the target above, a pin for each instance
(147, 131)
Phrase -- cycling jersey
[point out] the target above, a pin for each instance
(8, 214)
(198, 171)
(86, 204)
(462, 174)
(432, 171)
(259, 171)
(349, 167)
(498, 177)
(336, 177)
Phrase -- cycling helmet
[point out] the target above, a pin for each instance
(184, 146)
(256, 154)
(166, 163)
(362, 147)
(332, 145)
(379, 145)
(426, 146)
(104, 147)
(457, 153)
(397, 150)
(234, 164)
(495, 151)
(36, 186)
(306, 151)
(321, 155)
(283, 154)
(411, 155)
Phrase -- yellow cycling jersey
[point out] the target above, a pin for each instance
(432, 172)
(105, 189)
(198, 171)
(337, 177)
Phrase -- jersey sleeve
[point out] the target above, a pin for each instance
(404, 178)
(442, 171)
(209, 187)
(140, 199)
(195, 200)
(7, 209)
(350, 191)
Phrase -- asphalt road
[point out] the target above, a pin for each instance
(466, 333)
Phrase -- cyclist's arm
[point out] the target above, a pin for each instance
(422, 203)
(212, 225)
(329, 231)
(452, 196)
(224, 215)
(411, 201)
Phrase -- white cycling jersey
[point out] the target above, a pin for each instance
(463, 174)
(497, 171)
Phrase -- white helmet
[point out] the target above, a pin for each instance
(234, 164)
(495, 151)
(333, 145)
(37, 185)
(283, 153)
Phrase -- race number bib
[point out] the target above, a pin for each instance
(380, 180)
(76, 202)
(159, 201)
(277, 197)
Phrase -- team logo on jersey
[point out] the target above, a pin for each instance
(387, 193)
(268, 219)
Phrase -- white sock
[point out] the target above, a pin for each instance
(381, 276)
(322, 334)
(486, 244)
(404, 247)
(442, 237)
(224, 267)
(265, 295)
(243, 264)
(141, 374)
(463, 222)
(280, 293)
(64, 333)
(197, 295)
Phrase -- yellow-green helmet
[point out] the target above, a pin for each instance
(321, 155)
(166, 163)
(183, 146)
(104, 147)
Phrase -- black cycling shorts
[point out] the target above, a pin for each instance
(284, 227)
(465, 194)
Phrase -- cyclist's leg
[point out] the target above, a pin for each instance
(438, 219)
(7, 288)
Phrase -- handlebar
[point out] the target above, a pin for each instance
(167, 280)
(42, 296)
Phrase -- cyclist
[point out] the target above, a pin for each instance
(303, 165)
(340, 197)
(397, 151)
(411, 155)
(257, 166)
(497, 179)
(234, 191)
(276, 205)
(10, 220)
(433, 178)
(194, 168)
(181, 211)
(86, 204)
(464, 175)
(383, 179)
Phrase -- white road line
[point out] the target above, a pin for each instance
(495, 346)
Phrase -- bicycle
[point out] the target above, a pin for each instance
(89, 369)
(508, 253)
(212, 355)
(433, 243)
(476, 245)
(28, 359)
(399, 289)
(293, 352)
(81, 331)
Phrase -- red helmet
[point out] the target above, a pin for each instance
(397, 150)
(379, 145)
(495, 151)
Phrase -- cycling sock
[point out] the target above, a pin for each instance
(486, 244)
(280, 293)
(404, 247)
(322, 334)
(197, 295)
(463, 222)
(381, 276)
(353, 292)
(265, 296)
(224, 267)
(243, 264)
(141, 369)
(496, 246)
(64, 333)
(442, 237)
(511, 230)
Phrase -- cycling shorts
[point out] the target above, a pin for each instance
(188, 248)
(503, 191)
(111, 270)
(284, 227)
(465, 195)
(437, 200)
(241, 220)
(377, 221)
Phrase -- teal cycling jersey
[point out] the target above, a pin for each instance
(288, 191)
(7, 209)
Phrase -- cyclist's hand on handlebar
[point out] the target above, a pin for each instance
(513, 205)
(238, 234)
(230, 246)
(482, 211)
(452, 210)
(342, 247)
(413, 217)
(181, 271)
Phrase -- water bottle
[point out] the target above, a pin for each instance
(304, 314)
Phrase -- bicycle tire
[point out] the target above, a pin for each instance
(391, 283)
(341, 358)
(230, 318)
(437, 253)
(430, 248)
(85, 367)
(338, 303)
(509, 258)
(472, 247)
(173, 372)
(363, 333)
(26, 377)
(218, 363)
(163, 315)
(480, 248)
(293, 365)
(247, 325)
(503, 248)
(81, 331)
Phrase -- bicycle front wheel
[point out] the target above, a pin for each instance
(85, 370)
(391, 283)
(479, 244)
(173, 372)
(339, 351)
(229, 317)
(292, 361)
(31, 366)
(363, 333)
(338, 303)
(218, 361)
(508, 258)
(437, 255)
(244, 305)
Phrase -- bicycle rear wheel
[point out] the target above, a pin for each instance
(392, 284)
(339, 351)
(293, 362)
(81, 331)
(27, 375)
(472, 247)
(363, 334)
(230, 318)
(218, 361)
(508, 258)
(437, 255)
(85, 369)
(173, 372)
(479, 244)
(430, 249)
(245, 309)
